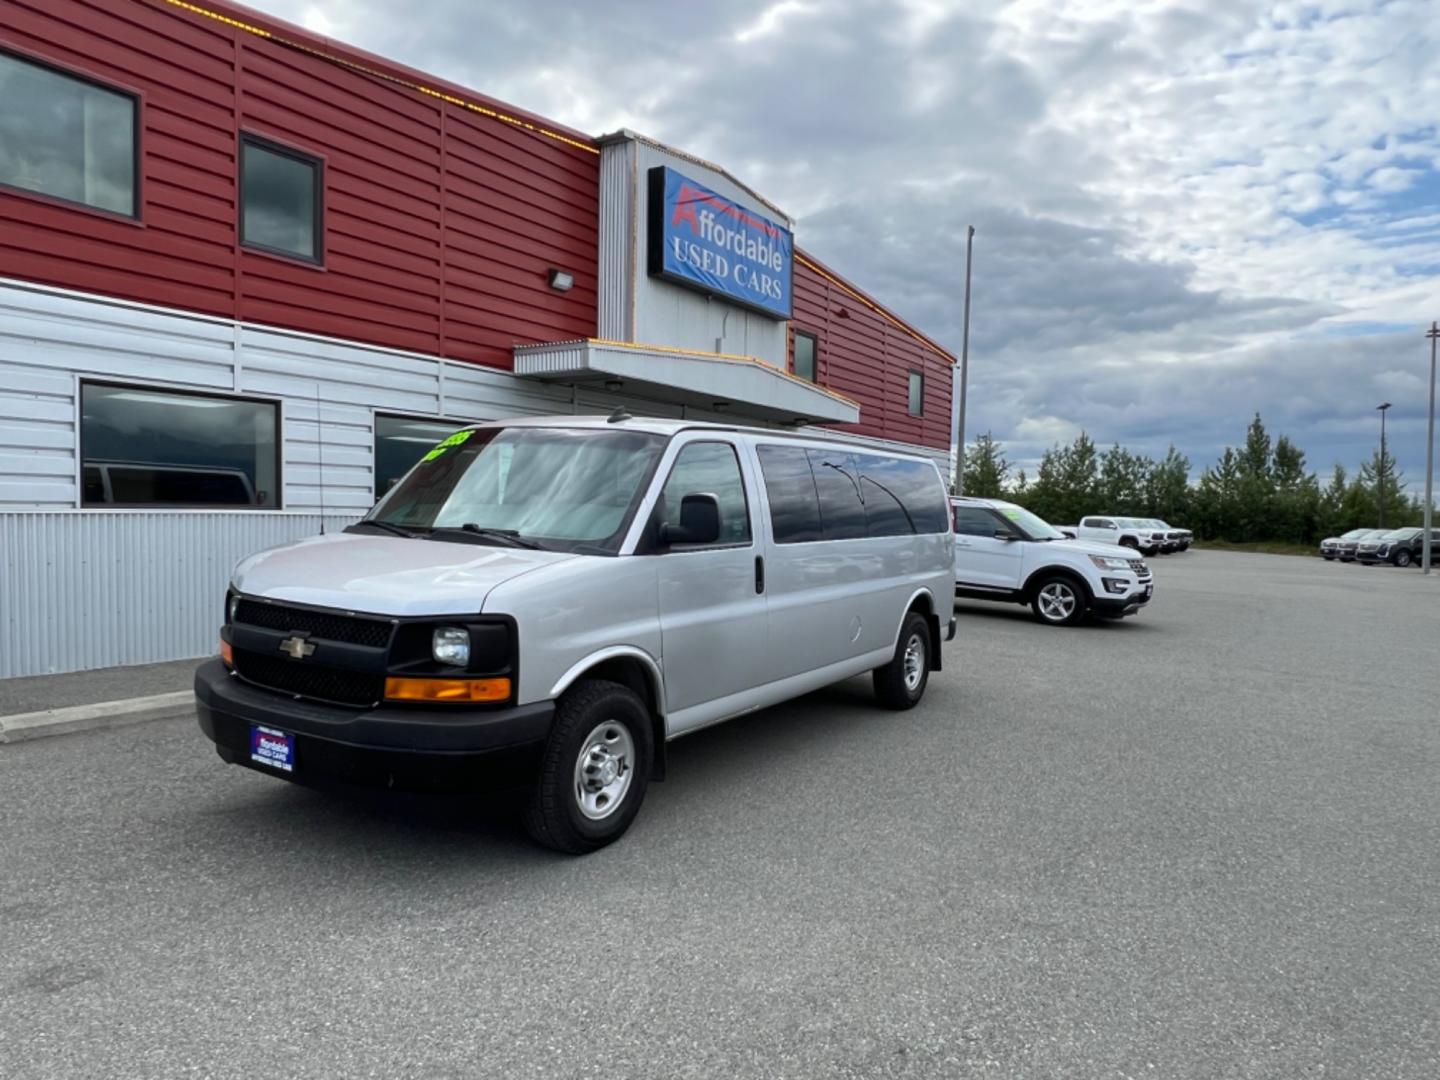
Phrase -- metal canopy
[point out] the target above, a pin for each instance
(748, 387)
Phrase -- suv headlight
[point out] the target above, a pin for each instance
(1108, 562)
(1383, 549)
(451, 645)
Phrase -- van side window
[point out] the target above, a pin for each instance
(842, 507)
(902, 497)
(790, 489)
(709, 468)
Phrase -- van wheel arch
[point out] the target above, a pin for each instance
(924, 604)
(630, 673)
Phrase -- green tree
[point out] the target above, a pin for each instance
(1379, 476)
(1123, 482)
(1217, 498)
(986, 469)
(1168, 495)
(1333, 521)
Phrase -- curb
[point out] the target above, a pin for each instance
(21, 727)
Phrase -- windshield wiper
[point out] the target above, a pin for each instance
(509, 537)
(386, 527)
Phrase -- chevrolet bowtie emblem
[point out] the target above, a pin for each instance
(297, 648)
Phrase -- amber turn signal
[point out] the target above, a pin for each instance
(226, 654)
(447, 689)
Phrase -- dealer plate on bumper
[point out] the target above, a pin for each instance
(273, 748)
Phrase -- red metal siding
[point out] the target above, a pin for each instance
(867, 354)
(440, 224)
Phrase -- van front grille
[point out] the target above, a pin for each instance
(304, 679)
(332, 626)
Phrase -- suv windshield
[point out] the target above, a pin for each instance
(1034, 527)
(563, 489)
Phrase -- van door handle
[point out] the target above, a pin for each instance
(759, 573)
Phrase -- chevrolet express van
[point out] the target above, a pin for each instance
(555, 599)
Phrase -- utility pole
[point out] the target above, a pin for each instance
(1433, 333)
(959, 484)
(1383, 460)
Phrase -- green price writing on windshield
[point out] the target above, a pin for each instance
(440, 448)
(1011, 513)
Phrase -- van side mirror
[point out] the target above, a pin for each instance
(1005, 534)
(699, 522)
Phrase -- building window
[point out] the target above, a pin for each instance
(280, 201)
(400, 442)
(917, 393)
(805, 345)
(143, 447)
(67, 137)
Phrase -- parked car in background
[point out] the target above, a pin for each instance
(1123, 532)
(553, 599)
(1330, 547)
(1347, 547)
(1004, 552)
(1175, 539)
(1399, 547)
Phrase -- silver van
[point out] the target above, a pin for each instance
(550, 601)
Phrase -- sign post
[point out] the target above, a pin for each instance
(1433, 333)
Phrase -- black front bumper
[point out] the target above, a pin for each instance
(408, 748)
(1117, 607)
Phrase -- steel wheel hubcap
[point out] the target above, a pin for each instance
(914, 662)
(1057, 601)
(603, 770)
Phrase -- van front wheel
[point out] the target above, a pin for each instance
(594, 770)
(900, 684)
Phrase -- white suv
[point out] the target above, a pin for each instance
(1004, 552)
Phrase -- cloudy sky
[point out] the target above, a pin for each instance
(1185, 210)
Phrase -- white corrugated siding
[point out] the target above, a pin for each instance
(82, 589)
(98, 588)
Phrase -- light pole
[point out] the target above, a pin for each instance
(1433, 333)
(1383, 410)
(959, 484)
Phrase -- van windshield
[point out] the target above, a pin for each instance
(562, 489)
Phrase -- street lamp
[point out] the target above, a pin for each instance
(1433, 333)
(1384, 408)
(959, 482)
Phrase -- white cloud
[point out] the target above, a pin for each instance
(1187, 210)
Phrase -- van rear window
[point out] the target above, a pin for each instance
(832, 495)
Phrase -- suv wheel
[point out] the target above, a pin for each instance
(1059, 601)
(1402, 558)
(901, 683)
(594, 770)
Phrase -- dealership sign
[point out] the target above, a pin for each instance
(708, 242)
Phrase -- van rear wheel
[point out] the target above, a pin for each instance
(901, 683)
(594, 770)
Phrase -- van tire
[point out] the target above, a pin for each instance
(608, 724)
(1047, 600)
(901, 683)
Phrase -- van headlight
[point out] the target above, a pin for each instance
(1106, 562)
(451, 645)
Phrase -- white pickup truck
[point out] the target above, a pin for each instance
(1146, 537)
(1004, 552)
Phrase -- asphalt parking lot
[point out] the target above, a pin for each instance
(1199, 843)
